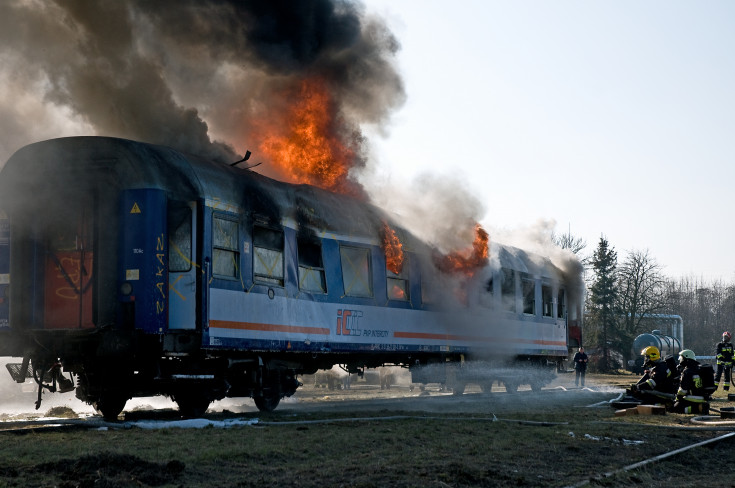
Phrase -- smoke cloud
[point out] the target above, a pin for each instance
(195, 75)
(439, 209)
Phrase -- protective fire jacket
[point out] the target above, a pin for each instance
(724, 353)
(691, 386)
(658, 377)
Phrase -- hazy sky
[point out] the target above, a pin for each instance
(607, 118)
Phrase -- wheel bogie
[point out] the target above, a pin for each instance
(266, 403)
(510, 386)
(111, 405)
(192, 404)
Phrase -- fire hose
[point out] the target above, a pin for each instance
(650, 460)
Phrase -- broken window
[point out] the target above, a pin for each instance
(486, 293)
(225, 255)
(179, 239)
(528, 285)
(268, 256)
(356, 271)
(561, 304)
(547, 301)
(398, 283)
(508, 289)
(311, 268)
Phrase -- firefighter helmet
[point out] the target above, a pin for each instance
(651, 353)
(726, 336)
(687, 354)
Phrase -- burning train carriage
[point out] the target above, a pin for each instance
(137, 270)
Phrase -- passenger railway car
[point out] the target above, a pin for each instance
(136, 270)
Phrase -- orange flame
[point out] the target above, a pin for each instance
(393, 250)
(467, 261)
(305, 146)
(397, 293)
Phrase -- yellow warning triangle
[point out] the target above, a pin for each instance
(135, 209)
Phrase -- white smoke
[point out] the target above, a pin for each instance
(439, 209)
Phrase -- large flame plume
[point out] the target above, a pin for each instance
(304, 144)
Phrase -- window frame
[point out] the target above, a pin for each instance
(235, 250)
(561, 303)
(402, 277)
(261, 279)
(309, 267)
(368, 253)
(173, 247)
(508, 289)
(547, 291)
(528, 284)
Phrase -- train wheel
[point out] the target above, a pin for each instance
(458, 388)
(266, 403)
(510, 386)
(192, 404)
(111, 405)
(536, 386)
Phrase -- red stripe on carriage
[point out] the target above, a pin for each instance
(226, 324)
(450, 337)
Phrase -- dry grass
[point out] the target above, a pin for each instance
(551, 443)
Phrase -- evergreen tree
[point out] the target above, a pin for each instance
(602, 300)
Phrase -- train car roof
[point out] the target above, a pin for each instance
(107, 164)
(60, 168)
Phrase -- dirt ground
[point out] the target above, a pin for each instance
(368, 436)
(402, 394)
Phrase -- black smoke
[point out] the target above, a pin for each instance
(191, 74)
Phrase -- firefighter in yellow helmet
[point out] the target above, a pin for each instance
(659, 383)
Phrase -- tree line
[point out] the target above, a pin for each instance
(626, 294)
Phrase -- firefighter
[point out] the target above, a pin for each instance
(724, 361)
(692, 396)
(659, 383)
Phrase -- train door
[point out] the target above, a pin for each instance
(182, 271)
(68, 266)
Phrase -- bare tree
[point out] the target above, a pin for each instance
(707, 310)
(641, 293)
(568, 241)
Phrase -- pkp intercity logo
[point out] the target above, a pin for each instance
(348, 322)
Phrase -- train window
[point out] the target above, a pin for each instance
(547, 300)
(225, 255)
(179, 239)
(397, 283)
(529, 295)
(356, 271)
(561, 303)
(485, 293)
(429, 291)
(311, 267)
(508, 289)
(268, 256)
